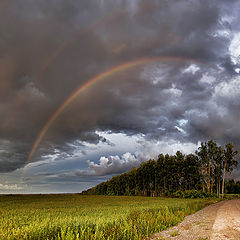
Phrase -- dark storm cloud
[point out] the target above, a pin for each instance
(49, 48)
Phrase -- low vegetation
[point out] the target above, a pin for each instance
(90, 217)
(193, 194)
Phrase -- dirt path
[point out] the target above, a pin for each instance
(220, 221)
(227, 222)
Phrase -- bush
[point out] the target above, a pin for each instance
(193, 194)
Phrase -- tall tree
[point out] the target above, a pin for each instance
(212, 153)
(229, 161)
(219, 167)
(202, 154)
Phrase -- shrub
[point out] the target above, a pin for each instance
(193, 194)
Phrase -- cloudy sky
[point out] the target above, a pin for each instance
(187, 91)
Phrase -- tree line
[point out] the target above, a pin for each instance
(233, 187)
(205, 170)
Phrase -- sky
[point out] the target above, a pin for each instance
(92, 88)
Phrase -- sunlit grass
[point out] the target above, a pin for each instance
(89, 217)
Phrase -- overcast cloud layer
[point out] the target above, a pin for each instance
(49, 48)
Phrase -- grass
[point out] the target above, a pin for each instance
(174, 234)
(73, 216)
(231, 196)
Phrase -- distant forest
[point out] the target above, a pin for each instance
(204, 171)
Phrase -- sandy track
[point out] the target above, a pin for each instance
(220, 221)
(227, 222)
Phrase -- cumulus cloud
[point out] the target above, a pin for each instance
(113, 164)
(13, 187)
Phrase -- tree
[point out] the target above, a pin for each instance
(228, 162)
(212, 153)
(192, 172)
(202, 154)
(160, 179)
(218, 169)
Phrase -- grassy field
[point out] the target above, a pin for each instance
(90, 217)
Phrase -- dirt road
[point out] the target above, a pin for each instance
(220, 221)
(227, 222)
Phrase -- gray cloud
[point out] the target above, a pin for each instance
(50, 48)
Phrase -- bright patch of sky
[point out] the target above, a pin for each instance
(193, 68)
(180, 129)
(206, 78)
(237, 70)
(228, 89)
(182, 122)
(234, 48)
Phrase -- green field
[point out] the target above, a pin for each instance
(75, 216)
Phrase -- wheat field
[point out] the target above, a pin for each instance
(73, 216)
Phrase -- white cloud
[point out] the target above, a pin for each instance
(191, 69)
(237, 70)
(174, 92)
(113, 164)
(234, 48)
(180, 129)
(151, 149)
(206, 78)
(229, 89)
(182, 122)
(10, 187)
(147, 150)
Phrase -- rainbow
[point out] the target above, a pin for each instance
(91, 82)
